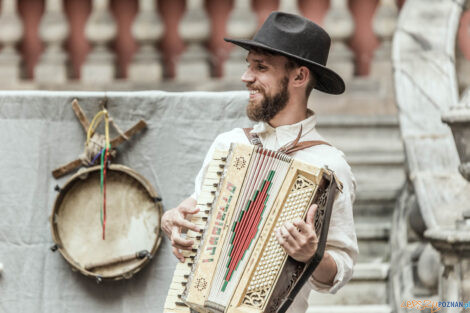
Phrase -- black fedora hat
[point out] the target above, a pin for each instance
(301, 39)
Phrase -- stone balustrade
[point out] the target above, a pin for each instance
(151, 43)
(429, 237)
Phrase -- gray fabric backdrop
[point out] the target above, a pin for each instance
(39, 132)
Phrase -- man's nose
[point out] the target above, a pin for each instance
(247, 76)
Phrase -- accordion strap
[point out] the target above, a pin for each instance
(289, 148)
(317, 257)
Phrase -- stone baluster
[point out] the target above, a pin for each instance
(315, 10)
(450, 287)
(384, 24)
(289, 6)
(147, 29)
(463, 50)
(10, 34)
(100, 29)
(339, 24)
(193, 65)
(241, 24)
(453, 245)
(463, 70)
(53, 31)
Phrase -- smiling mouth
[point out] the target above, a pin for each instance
(254, 92)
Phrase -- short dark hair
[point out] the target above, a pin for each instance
(290, 65)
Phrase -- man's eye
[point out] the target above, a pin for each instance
(261, 67)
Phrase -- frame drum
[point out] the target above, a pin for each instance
(133, 213)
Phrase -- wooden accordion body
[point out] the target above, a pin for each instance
(236, 264)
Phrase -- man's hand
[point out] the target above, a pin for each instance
(174, 221)
(299, 239)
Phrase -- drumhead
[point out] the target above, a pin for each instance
(133, 213)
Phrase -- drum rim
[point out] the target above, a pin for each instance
(58, 201)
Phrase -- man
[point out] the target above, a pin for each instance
(286, 60)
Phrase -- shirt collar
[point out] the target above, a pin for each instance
(291, 130)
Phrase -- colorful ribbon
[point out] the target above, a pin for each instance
(104, 160)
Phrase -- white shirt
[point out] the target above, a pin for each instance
(341, 242)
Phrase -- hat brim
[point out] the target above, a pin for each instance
(327, 80)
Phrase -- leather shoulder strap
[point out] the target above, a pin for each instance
(253, 138)
(312, 264)
(306, 144)
(288, 149)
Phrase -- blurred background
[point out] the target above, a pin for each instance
(177, 45)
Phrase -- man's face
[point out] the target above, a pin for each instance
(267, 80)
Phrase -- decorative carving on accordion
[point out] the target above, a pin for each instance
(301, 182)
(272, 259)
(201, 284)
(240, 163)
(294, 277)
(320, 211)
(256, 298)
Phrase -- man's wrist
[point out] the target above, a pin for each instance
(326, 270)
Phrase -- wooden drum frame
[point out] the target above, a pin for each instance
(133, 232)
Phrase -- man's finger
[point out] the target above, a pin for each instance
(178, 254)
(279, 237)
(187, 224)
(282, 242)
(167, 227)
(304, 228)
(180, 247)
(290, 241)
(293, 231)
(186, 210)
(180, 241)
(311, 214)
(166, 230)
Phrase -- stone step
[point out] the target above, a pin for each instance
(349, 121)
(373, 239)
(370, 195)
(373, 251)
(379, 175)
(368, 286)
(371, 271)
(378, 196)
(382, 158)
(370, 308)
(355, 134)
(365, 206)
(374, 149)
(354, 293)
(372, 229)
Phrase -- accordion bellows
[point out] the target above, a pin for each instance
(236, 264)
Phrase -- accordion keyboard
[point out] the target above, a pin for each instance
(173, 303)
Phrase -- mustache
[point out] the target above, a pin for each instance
(253, 86)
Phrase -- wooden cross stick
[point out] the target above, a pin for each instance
(80, 115)
(67, 168)
(134, 256)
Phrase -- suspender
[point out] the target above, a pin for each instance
(253, 138)
(288, 148)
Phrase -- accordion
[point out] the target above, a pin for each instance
(236, 264)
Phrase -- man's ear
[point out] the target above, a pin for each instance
(302, 76)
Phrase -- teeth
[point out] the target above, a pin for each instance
(253, 92)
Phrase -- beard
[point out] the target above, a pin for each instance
(270, 105)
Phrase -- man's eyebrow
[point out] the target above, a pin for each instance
(256, 60)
